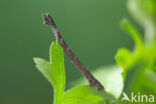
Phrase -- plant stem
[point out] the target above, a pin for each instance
(91, 79)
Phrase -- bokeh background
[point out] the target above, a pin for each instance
(90, 27)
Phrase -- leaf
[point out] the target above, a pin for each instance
(82, 95)
(124, 58)
(125, 24)
(54, 70)
(110, 77)
(45, 68)
(140, 78)
(127, 59)
(57, 63)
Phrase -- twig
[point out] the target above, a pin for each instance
(91, 79)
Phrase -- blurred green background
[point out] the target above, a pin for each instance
(90, 27)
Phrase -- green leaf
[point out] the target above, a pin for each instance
(125, 24)
(124, 58)
(45, 68)
(57, 64)
(110, 77)
(54, 70)
(82, 95)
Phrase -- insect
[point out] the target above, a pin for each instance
(91, 79)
